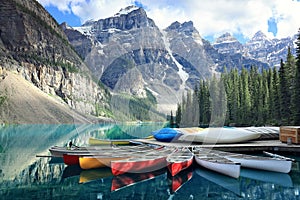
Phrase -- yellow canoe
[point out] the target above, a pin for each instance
(96, 141)
(94, 162)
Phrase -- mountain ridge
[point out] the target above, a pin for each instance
(173, 59)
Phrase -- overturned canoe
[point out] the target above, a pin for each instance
(179, 160)
(218, 135)
(166, 134)
(218, 164)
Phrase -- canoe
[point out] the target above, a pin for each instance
(179, 160)
(71, 159)
(142, 162)
(60, 151)
(257, 162)
(129, 179)
(219, 135)
(94, 162)
(266, 132)
(218, 164)
(166, 134)
(94, 174)
(96, 141)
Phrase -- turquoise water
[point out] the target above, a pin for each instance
(25, 176)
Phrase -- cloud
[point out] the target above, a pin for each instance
(211, 17)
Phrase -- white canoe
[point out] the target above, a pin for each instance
(218, 164)
(218, 135)
(258, 162)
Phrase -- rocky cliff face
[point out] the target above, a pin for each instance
(33, 44)
(129, 55)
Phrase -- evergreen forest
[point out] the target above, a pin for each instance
(254, 97)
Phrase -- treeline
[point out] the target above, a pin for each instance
(246, 98)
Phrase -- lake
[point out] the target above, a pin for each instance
(25, 176)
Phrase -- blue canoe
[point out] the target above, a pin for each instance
(166, 134)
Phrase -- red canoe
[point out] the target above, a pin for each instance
(143, 163)
(70, 159)
(179, 160)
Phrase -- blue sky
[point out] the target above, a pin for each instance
(242, 18)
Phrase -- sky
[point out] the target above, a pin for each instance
(212, 18)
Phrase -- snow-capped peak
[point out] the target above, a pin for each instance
(127, 10)
(225, 38)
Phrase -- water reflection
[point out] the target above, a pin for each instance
(24, 176)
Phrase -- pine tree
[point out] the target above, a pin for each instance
(266, 96)
(271, 112)
(245, 100)
(235, 97)
(296, 89)
(178, 115)
(276, 97)
(285, 99)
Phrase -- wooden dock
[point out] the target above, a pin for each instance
(251, 146)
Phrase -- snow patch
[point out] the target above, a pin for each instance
(182, 74)
(85, 30)
(126, 11)
(152, 91)
(197, 39)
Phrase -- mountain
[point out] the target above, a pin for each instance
(259, 47)
(43, 80)
(130, 54)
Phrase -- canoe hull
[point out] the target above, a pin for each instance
(179, 160)
(97, 162)
(219, 135)
(138, 166)
(176, 167)
(71, 159)
(94, 141)
(275, 165)
(232, 169)
(166, 134)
